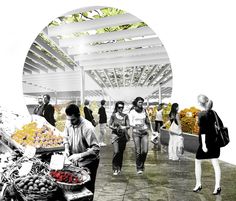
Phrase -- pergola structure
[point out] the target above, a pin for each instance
(96, 52)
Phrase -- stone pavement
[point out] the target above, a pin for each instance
(163, 180)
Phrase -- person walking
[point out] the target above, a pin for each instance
(139, 122)
(81, 144)
(88, 113)
(119, 123)
(102, 123)
(159, 118)
(208, 146)
(48, 110)
(176, 145)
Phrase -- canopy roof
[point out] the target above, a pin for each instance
(118, 52)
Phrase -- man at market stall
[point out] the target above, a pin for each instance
(81, 144)
(48, 110)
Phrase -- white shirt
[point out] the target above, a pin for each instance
(159, 115)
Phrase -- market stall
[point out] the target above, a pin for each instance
(33, 167)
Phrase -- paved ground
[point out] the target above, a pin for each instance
(163, 180)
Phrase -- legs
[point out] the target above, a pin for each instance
(102, 133)
(118, 148)
(93, 170)
(216, 166)
(198, 173)
(141, 149)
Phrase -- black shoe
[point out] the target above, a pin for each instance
(217, 192)
(197, 189)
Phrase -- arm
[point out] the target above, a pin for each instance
(179, 122)
(111, 123)
(66, 142)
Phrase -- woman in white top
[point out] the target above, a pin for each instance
(139, 123)
(176, 141)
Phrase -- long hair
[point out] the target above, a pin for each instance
(135, 102)
(116, 105)
(173, 112)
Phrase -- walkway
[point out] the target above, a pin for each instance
(163, 180)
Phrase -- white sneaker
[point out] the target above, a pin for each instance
(115, 173)
(139, 172)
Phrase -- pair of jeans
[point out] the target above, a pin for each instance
(118, 151)
(158, 125)
(141, 149)
(102, 132)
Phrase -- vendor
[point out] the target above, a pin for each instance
(81, 144)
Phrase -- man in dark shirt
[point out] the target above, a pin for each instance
(39, 108)
(48, 110)
(102, 122)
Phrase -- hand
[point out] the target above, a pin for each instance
(204, 148)
(75, 157)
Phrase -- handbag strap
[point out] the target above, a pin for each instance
(216, 118)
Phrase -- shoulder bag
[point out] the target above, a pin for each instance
(221, 132)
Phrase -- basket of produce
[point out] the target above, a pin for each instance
(35, 188)
(38, 168)
(71, 178)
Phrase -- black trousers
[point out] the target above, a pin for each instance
(158, 125)
(118, 151)
(93, 173)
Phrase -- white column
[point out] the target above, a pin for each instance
(82, 84)
(159, 91)
(55, 97)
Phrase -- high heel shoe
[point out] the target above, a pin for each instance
(217, 192)
(197, 189)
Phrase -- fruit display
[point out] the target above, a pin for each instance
(35, 184)
(66, 176)
(188, 118)
(44, 137)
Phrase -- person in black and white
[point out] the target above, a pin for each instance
(38, 110)
(48, 110)
(208, 146)
(102, 123)
(88, 113)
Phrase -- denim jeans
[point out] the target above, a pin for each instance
(141, 149)
(118, 150)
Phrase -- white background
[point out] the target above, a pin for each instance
(199, 36)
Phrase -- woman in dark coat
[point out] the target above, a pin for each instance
(208, 146)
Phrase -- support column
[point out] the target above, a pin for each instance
(159, 91)
(148, 101)
(82, 84)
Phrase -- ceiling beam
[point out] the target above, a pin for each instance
(76, 27)
(27, 70)
(46, 57)
(33, 69)
(91, 76)
(43, 44)
(141, 74)
(114, 72)
(119, 45)
(123, 59)
(105, 72)
(36, 65)
(40, 61)
(149, 75)
(108, 36)
(100, 78)
(167, 74)
(121, 53)
(166, 81)
(132, 77)
(126, 64)
(162, 70)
